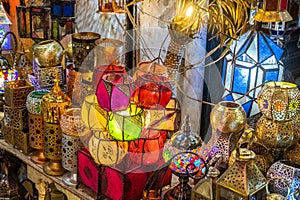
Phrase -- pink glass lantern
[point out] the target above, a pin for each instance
(114, 91)
(101, 70)
(152, 90)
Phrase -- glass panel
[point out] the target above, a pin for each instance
(7, 45)
(271, 5)
(247, 107)
(23, 17)
(275, 48)
(253, 49)
(68, 10)
(264, 50)
(56, 10)
(240, 80)
(271, 76)
(283, 5)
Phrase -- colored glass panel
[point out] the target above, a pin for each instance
(240, 80)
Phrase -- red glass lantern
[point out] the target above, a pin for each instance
(114, 91)
(100, 71)
(152, 90)
(147, 149)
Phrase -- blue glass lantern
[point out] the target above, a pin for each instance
(63, 8)
(253, 60)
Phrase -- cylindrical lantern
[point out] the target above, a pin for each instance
(101, 70)
(148, 148)
(228, 117)
(82, 45)
(70, 144)
(106, 150)
(279, 101)
(152, 90)
(114, 91)
(36, 125)
(276, 135)
(54, 104)
(93, 116)
(149, 68)
(48, 53)
(126, 125)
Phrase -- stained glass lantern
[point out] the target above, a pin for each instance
(126, 125)
(7, 43)
(152, 90)
(23, 17)
(63, 8)
(62, 27)
(254, 59)
(242, 180)
(70, 144)
(105, 150)
(40, 22)
(273, 11)
(114, 91)
(183, 152)
(111, 6)
(147, 149)
(101, 70)
(279, 101)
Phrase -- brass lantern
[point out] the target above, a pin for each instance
(54, 104)
(242, 180)
(273, 11)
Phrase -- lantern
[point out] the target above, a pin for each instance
(182, 151)
(277, 188)
(101, 70)
(111, 6)
(70, 144)
(279, 101)
(114, 91)
(40, 22)
(23, 20)
(291, 154)
(254, 59)
(126, 125)
(273, 11)
(149, 68)
(54, 104)
(288, 172)
(105, 150)
(63, 8)
(242, 180)
(152, 90)
(93, 116)
(146, 150)
(36, 125)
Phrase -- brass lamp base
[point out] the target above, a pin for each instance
(54, 168)
(182, 191)
(38, 157)
(70, 178)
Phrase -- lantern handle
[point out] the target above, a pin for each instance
(14, 39)
(282, 181)
(247, 137)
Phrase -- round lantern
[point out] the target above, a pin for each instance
(228, 117)
(114, 91)
(147, 149)
(279, 100)
(152, 90)
(126, 125)
(93, 116)
(106, 150)
(149, 68)
(48, 53)
(33, 101)
(70, 144)
(101, 70)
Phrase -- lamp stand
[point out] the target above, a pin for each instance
(182, 191)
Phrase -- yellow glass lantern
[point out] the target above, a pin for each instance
(279, 101)
(54, 104)
(243, 180)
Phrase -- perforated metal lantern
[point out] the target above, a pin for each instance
(71, 143)
(279, 101)
(242, 180)
(273, 11)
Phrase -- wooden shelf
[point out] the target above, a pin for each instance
(35, 173)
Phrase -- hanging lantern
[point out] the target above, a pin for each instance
(105, 150)
(255, 59)
(111, 6)
(146, 150)
(114, 91)
(70, 144)
(23, 17)
(288, 172)
(36, 125)
(242, 180)
(273, 11)
(126, 125)
(183, 153)
(93, 116)
(54, 104)
(279, 101)
(63, 8)
(40, 22)
(152, 90)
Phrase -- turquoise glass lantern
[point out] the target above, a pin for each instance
(254, 59)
